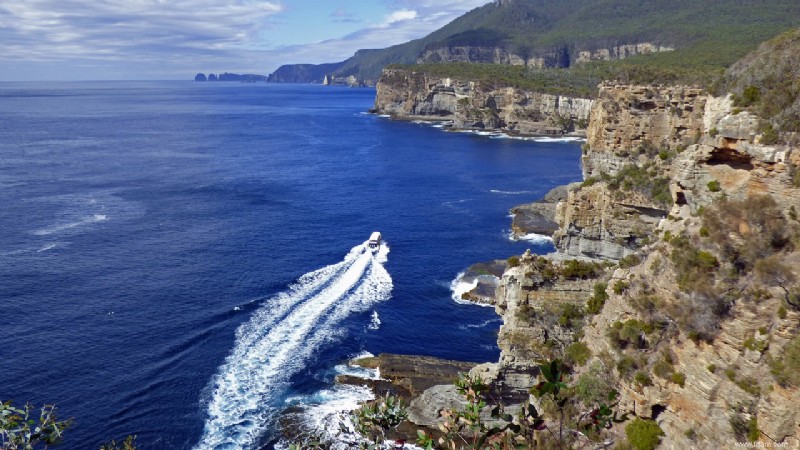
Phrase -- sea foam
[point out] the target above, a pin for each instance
(280, 338)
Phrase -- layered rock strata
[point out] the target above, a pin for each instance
(556, 57)
(710, 151)
(407, 94)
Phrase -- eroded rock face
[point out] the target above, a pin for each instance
(711, 152)
(408, 94)
(556, 57)
(530, 307)
(598, 223)
(625, 118)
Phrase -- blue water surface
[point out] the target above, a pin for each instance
(141, 223)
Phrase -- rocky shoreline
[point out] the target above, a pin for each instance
(642, 294)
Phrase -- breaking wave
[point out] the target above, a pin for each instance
(530, 237)
(278, 341)
(497, 191)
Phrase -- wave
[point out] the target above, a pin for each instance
(459, 287)
(326, 413)
(375, 323)
(497, 191)
(63, 227)
(279, 340)
(530, 237)
(47, 247)
(480, 325)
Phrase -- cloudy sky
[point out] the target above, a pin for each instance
(174, 39)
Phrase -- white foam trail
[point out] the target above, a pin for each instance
(375, 323)
(497, 191)
(530, 237)
(58, 228)
(280, 338)
(47, 247)
(480, 325)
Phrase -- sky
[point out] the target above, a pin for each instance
(175, 39)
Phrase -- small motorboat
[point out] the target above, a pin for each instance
(374, 240)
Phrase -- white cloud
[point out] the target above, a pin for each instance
(399, 16)
(128, 31)
(410, 19)
(69, 39)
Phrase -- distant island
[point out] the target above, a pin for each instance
(243, 78)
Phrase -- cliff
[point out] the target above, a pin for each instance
(565, 33)
(562, 56)
(303, 73)
(404, 93)
(699, 323)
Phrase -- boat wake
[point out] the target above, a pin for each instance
(66, 226)
(279, 340)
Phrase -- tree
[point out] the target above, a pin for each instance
(21, 430)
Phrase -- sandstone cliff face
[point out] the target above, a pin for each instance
(710, 152)
(472, 54)
(408, 94)
(531, 307)
(626, 118)
(557, 57)
(620, 52)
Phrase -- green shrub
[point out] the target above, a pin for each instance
(663, 369)
(578, 353)
(643, 379)
(513, 261)
(712, 368)
(630, 333)
(786, 369)
(619, 287)
(574, 269)
(713, 132)
(714, 186)
(782, 313)
(643, 434)
(594, 385)
(704, 232)
(678, 378)
(626, 366)
(752, 430)
(694, 267)
(571, 316)
(629, 261)
(596, 301)
(750, 95)
(769, 135)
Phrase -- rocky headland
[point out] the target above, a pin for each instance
(675, 277)
(408, 94)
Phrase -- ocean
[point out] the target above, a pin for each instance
(182, 261)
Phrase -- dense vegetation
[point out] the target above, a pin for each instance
(709, 36)
(766, 82)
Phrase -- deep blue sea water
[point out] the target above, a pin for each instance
(143, 223)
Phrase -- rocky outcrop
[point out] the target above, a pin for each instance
(598, 223)
(405, 93)
(471, 54)
(710, 151)
(620, 52)
(628, 120)
(562, 56)
(539, 217)
(303, 73)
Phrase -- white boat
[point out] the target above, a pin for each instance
(374, 240)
